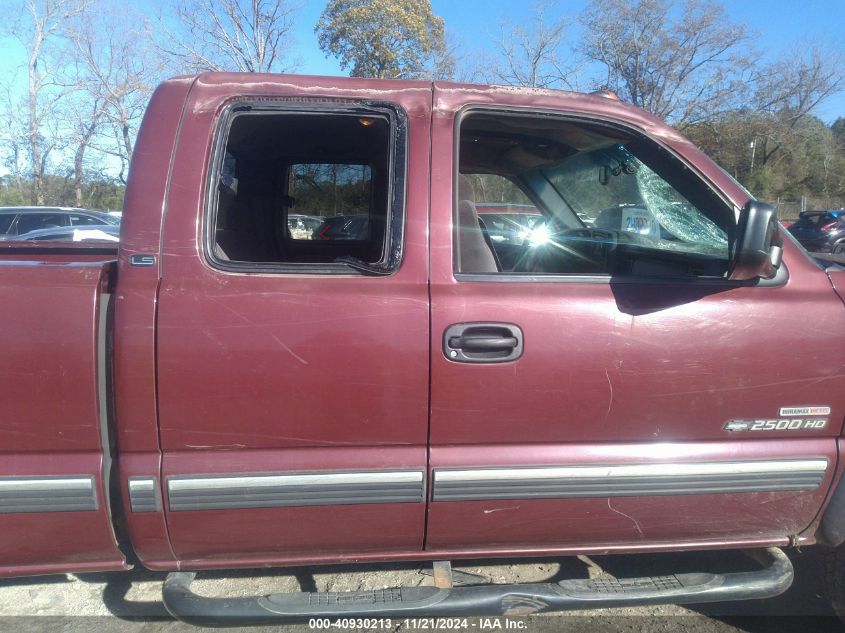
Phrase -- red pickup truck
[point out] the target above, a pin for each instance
(640, 361)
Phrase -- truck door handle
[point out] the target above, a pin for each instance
(482, 342)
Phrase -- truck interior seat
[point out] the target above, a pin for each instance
(235, 232)
(474, 253)
(244, 229)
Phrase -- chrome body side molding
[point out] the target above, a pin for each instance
(143, 494)
(47, 494)
(628, 480)
(295, 489)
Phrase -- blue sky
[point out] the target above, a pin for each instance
(779, 26)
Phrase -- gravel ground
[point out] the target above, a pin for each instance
(91, 603)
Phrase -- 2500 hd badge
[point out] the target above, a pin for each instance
(785, 423)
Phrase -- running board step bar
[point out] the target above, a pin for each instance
(509, 600)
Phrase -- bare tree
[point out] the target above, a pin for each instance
(83, 122)
(796, 84)
(38, 31)
(13, 140)
(232, 35)
(119, 67)
(787, 92)
(443, 62)
(534, 55)
(685, 68)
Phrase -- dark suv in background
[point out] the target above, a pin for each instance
(821, 231)
(16, 221)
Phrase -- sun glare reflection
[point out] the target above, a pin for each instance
(539, 236)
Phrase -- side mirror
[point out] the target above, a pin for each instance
(758, 249)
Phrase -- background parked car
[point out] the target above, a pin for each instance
(93, 232)
(821, 231)
(19, 220)
(343, 227)
(302, 226)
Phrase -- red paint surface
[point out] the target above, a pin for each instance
(49, 365)
(49, 410)
(636, 363)
(624, 522)
(147, 530)
(483, 551)
(220, 373)
(135, 299)
(305, 362)
(135, 314)
(48, 542)
(282, 533)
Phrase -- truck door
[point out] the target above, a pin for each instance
(293, 324)
(597, 383)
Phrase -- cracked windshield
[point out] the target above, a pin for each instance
(612, 189)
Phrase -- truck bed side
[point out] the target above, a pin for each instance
(54, 464)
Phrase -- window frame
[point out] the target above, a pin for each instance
(780, 278)
(397, 158)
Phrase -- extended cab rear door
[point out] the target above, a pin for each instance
(293, 321)
(596, 382)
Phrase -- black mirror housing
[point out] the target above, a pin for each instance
(758, 251)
